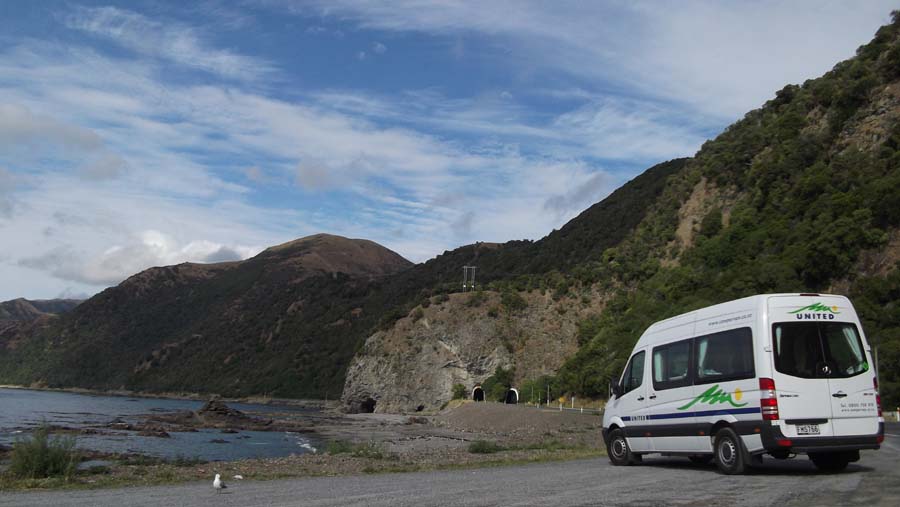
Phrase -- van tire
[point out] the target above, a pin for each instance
(830, 461)
(618, 450)
(729, 452)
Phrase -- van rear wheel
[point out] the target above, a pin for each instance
(729, 452)
(830, 461)
(618, 450)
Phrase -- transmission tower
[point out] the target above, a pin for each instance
(468, 278)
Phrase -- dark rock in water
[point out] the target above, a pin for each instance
(216, 406)
(216, 413)
(218, 441)
(229, 430)
(119, 424)
(154, 431)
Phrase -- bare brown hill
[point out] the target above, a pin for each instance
(261, 326)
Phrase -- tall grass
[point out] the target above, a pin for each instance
(44, 456)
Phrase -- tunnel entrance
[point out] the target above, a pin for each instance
(512, 396)
(478, 393)
(367, 406)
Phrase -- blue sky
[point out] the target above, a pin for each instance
(137, 134)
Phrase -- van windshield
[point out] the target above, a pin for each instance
(818, 349)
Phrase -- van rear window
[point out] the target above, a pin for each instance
(818, 349)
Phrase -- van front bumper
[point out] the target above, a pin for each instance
(774, 440)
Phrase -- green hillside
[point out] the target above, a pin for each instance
(809, 181)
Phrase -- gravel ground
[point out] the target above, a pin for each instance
(874, 481)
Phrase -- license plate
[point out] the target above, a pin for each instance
(807, 429)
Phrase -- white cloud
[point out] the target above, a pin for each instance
(615, 128)
(379, 48)
(7, 184)
(720, 58)
(168, 40)
(26, 137)
(21, 129)
(179, 166)
(149, 248)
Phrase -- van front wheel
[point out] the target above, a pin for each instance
(729, 452)
(618, 451)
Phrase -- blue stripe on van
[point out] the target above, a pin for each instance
(703, 413)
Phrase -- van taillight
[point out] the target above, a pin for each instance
(768, 401)
(877, 396)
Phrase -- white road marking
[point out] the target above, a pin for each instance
(892, 435)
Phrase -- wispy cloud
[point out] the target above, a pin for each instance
(168, 40)
(719, 58)
(148, 248)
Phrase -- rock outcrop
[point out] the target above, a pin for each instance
(463, 340)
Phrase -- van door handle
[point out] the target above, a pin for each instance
(641, 398)
(652, 396)
(839, 395)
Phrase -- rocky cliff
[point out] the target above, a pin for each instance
(462, 339)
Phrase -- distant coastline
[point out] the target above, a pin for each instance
(256, 400)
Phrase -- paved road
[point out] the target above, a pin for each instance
(874, 480)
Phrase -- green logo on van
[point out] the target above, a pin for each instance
(817, 307)
(715, 395)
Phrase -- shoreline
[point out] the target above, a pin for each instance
(125, 393)
(468, 435)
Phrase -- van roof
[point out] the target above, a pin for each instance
(733, 305)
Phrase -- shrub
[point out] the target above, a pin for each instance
(476, 299)
(368, 450)
(484, 447)
(460, 392)
(338, 447)
(512, 301)
(42, 456)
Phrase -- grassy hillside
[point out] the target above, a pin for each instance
(794, 192)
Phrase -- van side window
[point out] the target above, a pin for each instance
(671, 365)
(724, 356)
(634, 373)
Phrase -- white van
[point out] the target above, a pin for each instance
(778, 374)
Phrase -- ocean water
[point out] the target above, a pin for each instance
(22, 410)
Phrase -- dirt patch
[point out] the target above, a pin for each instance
(525, 424)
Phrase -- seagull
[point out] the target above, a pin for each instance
(218, 484)
(239, 477)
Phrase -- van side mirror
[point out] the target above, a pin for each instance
(615, 388)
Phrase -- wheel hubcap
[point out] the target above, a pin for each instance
(618, 448)
(727, 452)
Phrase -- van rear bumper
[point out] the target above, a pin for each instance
(774, 440)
